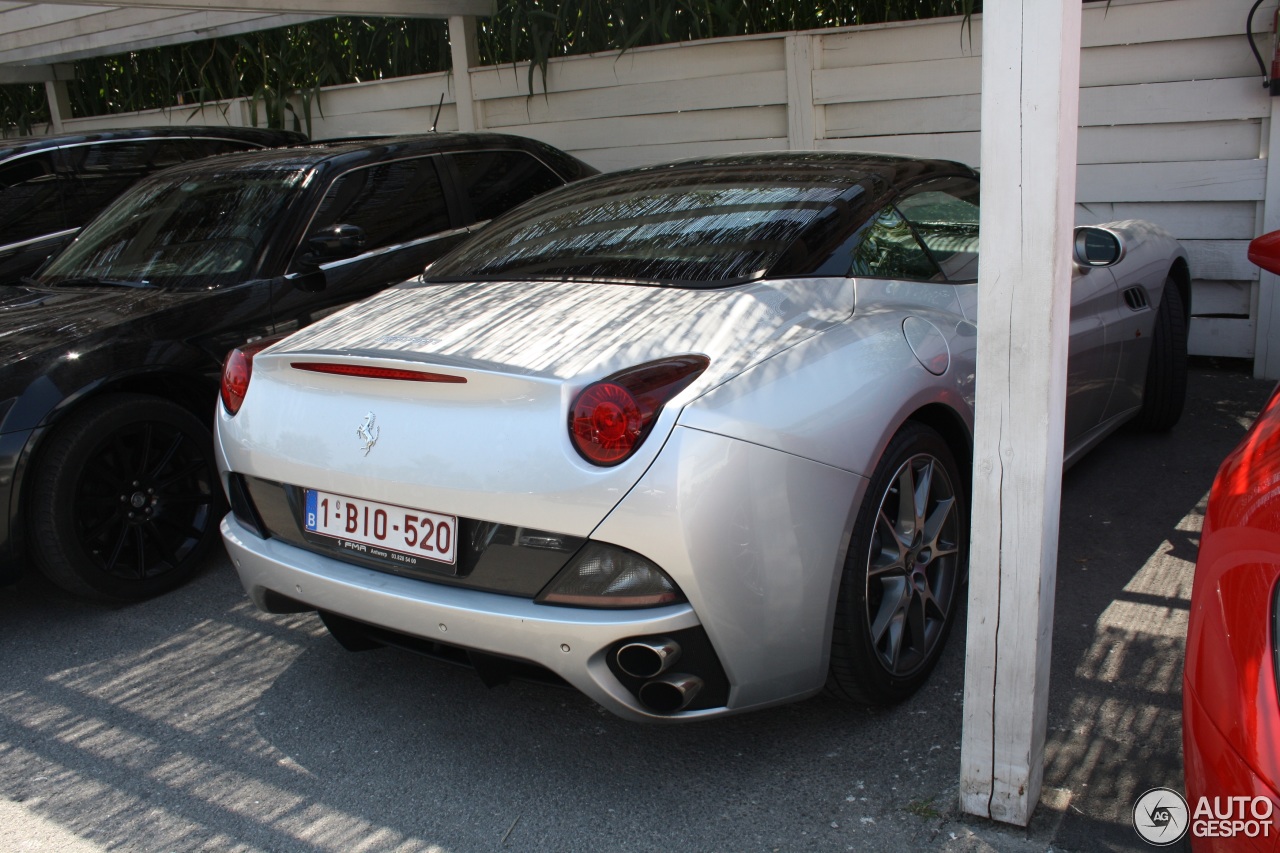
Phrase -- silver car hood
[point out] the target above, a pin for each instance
(498, 447)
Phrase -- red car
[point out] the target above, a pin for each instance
(1230, 703)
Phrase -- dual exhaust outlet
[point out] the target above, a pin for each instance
(662, 692)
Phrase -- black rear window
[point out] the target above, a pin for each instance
(702, 229)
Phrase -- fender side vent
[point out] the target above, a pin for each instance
(1136, 298)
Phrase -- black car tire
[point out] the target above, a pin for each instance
(1165, 389)
(125, 501)
(900, 573)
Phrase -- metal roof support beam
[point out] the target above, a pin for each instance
(1030, 105)
(465, 54)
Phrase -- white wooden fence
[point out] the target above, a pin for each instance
(1174, 120)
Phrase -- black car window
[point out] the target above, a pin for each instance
(197, 232)
(944, 213)
(393, 202)
(99, 172)
(496, 181)
(30, 201)
(887, 248)
(713, 229)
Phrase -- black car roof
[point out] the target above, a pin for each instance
(340, 152)
(839, 167)
(257, 136)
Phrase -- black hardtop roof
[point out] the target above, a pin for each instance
(259, 136)
(841, 167)
(340, 153)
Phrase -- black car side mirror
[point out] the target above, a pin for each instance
(333, 243)
(1096, 247)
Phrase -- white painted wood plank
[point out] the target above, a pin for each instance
(702, 93)
(1169, 61)
(898, 81)
(1145, 143)
(415, 120)
(626, 157)
(1218, 336)
(1195, 100)
(383, 95)
(1206, 220)
(1229, 180)
(75, 26)
(1121, 24)
(921, 41)
(962, 147)
(1222, 297)
(702, 126)
(1030, 73)
(1171, 20)
(1220, 259)
(642, 65)
(893, 118)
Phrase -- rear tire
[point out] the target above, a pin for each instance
(126, 500)
(1165, 390)
(899, 592)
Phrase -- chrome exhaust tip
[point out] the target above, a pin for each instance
(671, 693)
(648, 658)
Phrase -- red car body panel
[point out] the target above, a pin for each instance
(1230, 703)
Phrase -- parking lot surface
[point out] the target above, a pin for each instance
(193, 722)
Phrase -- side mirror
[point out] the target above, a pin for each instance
(1264, 251)
(333, 243)
(1097, 247)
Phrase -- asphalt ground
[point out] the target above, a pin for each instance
(194, 722)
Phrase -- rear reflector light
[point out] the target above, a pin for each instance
(370, 372)
(610, 419)
(237, 370)
(604, 575)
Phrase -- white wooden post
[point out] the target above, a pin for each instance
(55, 91)
(465, 54)
(804, 118)
(1030, 103)
(1266, 352)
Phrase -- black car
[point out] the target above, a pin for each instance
(50, 187)
(112, 355)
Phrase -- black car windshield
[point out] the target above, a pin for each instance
(705, 229)
(192, 233)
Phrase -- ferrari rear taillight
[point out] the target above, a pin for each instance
(609, 419)
(237, 369)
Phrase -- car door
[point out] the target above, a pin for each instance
(944, 213)
(408, 216)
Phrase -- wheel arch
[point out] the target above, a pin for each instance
(194, 393)
(948, 423)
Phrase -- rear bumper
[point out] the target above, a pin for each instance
(570, 642)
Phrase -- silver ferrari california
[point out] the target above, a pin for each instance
(693, 438)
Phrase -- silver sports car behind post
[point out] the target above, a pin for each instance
(694, 438)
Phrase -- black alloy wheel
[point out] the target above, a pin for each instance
(126, 500)
(906, 564)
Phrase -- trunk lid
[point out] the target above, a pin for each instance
(496, 447)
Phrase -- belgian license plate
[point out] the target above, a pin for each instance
(382, 530)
